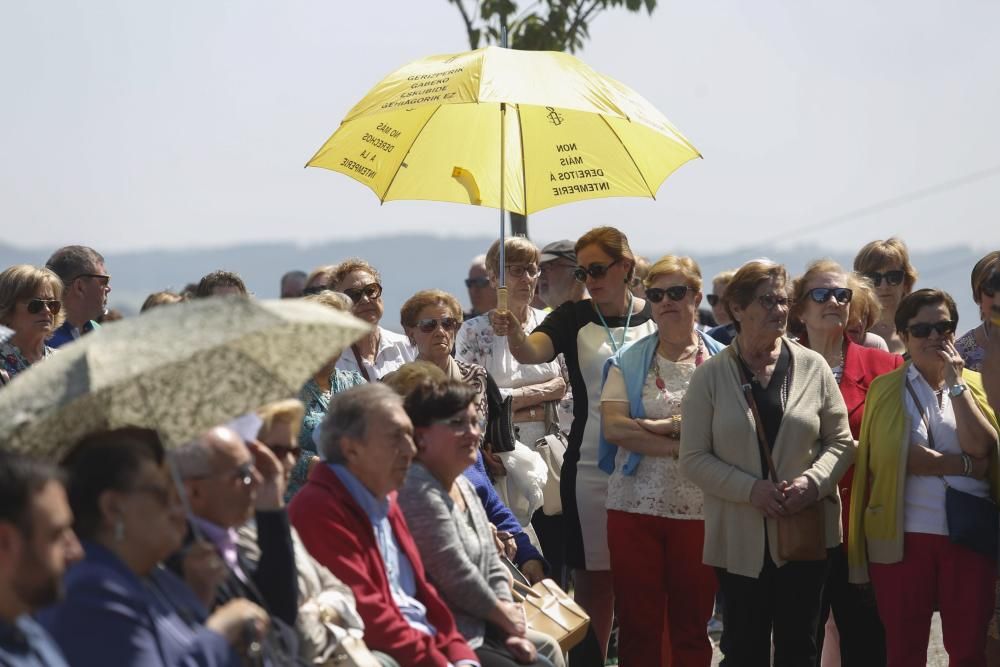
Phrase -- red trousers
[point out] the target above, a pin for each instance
(664, 595)
(959, 581)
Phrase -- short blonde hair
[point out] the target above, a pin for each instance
(411, 375)
(351, 265)
(613, 242)
(164, 298)
(865, 305)
(429, 297)
(517, 250)
(724, 277)
(23, 282)
(325, 272)
(747, 279)
(685, 266)
(797, 297)
(289, 410)
(331, 299)
(891, 252)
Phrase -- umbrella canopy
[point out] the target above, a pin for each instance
(180, 369)
(435, 130)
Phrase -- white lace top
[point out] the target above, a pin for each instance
(657, 488)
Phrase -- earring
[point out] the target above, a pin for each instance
(119, 530)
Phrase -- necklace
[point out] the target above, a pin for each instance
(699, 357)
(615, 345)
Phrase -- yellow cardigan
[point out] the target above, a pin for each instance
(876, 526)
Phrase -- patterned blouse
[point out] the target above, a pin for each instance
(317, 402)
(12, 361)
(970, 350)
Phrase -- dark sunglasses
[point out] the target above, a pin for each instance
(713, 299)
(822, 294)
(595, 271)
(770, 302)
(431, 324)
(281, 451)
(315, 289)
(892, 278)
(481, 281)
(35, 306)
(371, 290)
(676, 293)
(923, 329)
(102, 278)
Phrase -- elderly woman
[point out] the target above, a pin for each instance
(452, 531)
(927, 427)
(800, 424)
(864, 313)
(887, 265)
(382, 351)
(316, 394)
(430, 319)
(663, 593)
(121, 607)
(30, 305)
(985, 283)
(320, 279)
(587, 333)
(821, 300)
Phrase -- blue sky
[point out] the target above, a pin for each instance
(136, 124)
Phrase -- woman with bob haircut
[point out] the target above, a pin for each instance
(887, 265)
(31, 306)
(985, 283)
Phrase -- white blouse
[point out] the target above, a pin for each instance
(477, 343)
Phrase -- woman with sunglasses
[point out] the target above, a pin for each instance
(887, 264)
(821, 300)
(315, 396)
(382, 351)
(927, 432)
(985, 283)
(587, 333)
(799, 423)
(30, 305)
(664, 595)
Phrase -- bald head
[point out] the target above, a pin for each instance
(218, 473)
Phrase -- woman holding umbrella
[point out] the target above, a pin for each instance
(587, 333)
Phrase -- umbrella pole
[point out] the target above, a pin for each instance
(502, 283)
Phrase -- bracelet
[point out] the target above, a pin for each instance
(966, 464)
(676, 426)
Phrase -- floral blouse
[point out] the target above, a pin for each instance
(317, 402)
(12, 361)
(970, 350)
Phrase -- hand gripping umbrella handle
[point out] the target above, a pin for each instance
(502, 298)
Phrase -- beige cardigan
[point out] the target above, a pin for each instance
(719, 453)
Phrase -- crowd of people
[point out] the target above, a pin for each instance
(812, 460)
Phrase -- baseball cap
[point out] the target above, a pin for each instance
(564, 249)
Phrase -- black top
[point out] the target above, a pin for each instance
(771, 400)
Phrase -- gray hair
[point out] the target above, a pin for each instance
(72, 261)
(196, 458)
(348, 416)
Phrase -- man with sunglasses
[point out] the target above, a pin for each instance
(481, 295)
(86, 285)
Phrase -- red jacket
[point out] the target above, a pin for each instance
(339, 534)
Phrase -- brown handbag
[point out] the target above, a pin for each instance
(548, 609)
(801, 536)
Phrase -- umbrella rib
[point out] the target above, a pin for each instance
(524, 170)
(413, 143)
(629, 153)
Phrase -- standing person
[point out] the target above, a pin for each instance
(821, 299)
(887, 265)
(664, 595)
(556, 281)
(31, 306)
(587, 333)
(805, 427)
(927, 426)
(293, 283)
(319, 279)
(985, 283)
(482, 298)
(724, 332)
(381, 351)
(37, 544)
(221, 283)
(863, 313)
(86, 285)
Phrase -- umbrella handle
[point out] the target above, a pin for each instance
(502, 298)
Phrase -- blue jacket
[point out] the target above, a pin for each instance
(64, 334)
(110, 617)
(633, 361)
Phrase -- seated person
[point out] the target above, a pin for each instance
(349, 520)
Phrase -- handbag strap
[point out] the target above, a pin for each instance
(361, 363)
(762, 440)
(923, 413)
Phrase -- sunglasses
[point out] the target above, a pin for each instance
(822, 294)
(315, 289)
(892, 278)
(371, 290)
(676, 293)
(923, 329)
(281, 451)
(481, 281)
(105, 280)
(429, 325)
(713, 299)
(595, 271)
(770, 302)
(53, 305)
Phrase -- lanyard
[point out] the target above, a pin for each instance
(615, 346)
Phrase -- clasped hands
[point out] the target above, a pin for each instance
(784, 498)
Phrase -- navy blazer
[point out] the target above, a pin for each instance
(112, 617)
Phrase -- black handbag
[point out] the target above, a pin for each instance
(973, 522)
(500, 420)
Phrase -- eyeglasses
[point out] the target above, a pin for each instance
(243, 473)
(713, 299)
(522, 270)
(595, 271)
(315, 289)
(892, 278)
(281, 451)
(675, 292)
(923, 329)
(105, 280)
(371, 290)
(481, 281)
(429, 325)
(53, 305)
(770, 301)
(822, 294)
(461, 425)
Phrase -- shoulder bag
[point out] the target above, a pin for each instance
(552, 449)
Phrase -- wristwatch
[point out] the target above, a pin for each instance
(957, 390)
